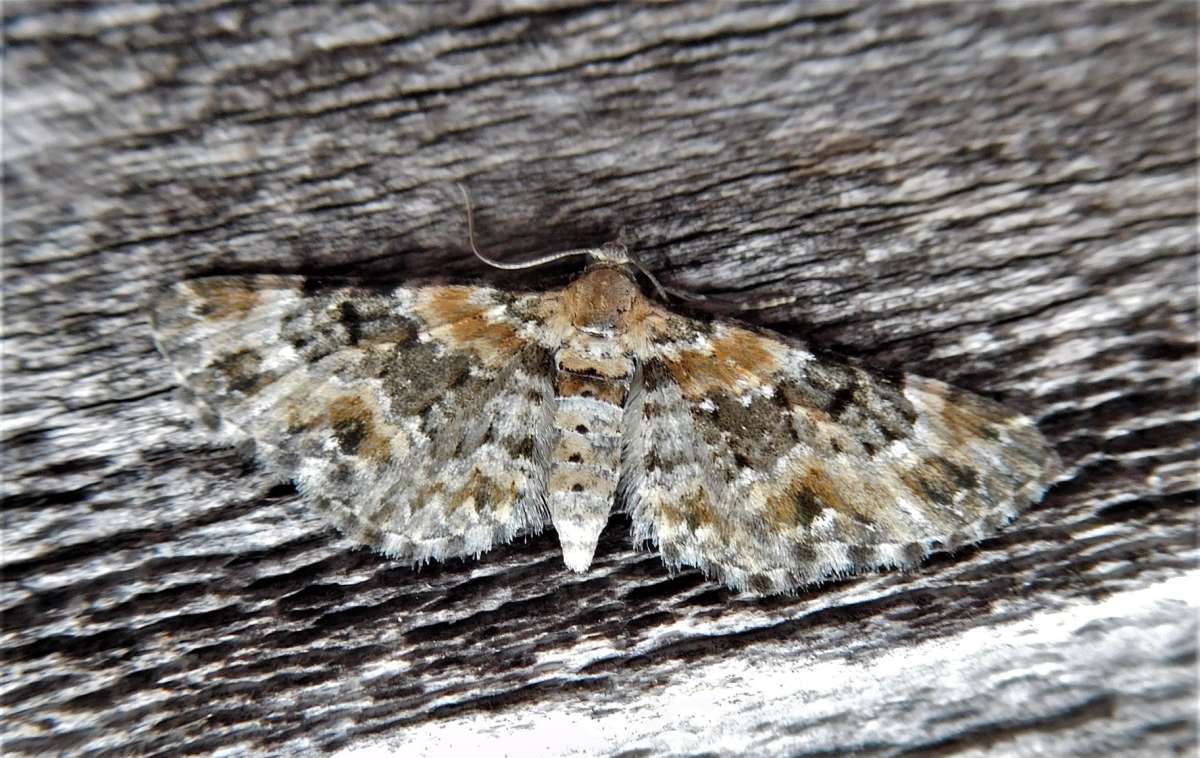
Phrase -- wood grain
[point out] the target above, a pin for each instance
(1000, 195)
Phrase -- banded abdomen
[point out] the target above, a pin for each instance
(591, 386)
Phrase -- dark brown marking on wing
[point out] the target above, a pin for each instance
(818, 387)
(802, 500)
(873, 409)
(760, 583)
(804, 506)
(813, 491)
(655, 461)
(242, 371)
(969, 416)
(939, 480)
(520, 448)
(484, 494)
(758, 433)
(415, 376)
(695, 509)
(655, 374)
(372, 322)
(354, 427)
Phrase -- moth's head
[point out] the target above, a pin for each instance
(602, 298)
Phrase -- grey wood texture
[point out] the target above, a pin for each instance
(1000, 195)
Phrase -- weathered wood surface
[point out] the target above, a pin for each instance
(1000, 195)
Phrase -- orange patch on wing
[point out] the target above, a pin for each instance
(801, 500)
(223, 298)
(425, 494)
(695, 509)
(450, 314)
(645, 325)
(968, 417)
(448, 305)
(814, 489)
(738, 359)
(354, 425)
(482, 492)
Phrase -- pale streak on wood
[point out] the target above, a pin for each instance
(997, 195)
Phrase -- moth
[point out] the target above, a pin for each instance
(437, 421)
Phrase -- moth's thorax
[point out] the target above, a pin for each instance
(602, 301)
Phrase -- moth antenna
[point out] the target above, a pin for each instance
(727, 305)
(722, 305)
(594, 252)
(663, 292)
(769, 302)
(611, 251)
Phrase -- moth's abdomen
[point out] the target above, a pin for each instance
(591, 388)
